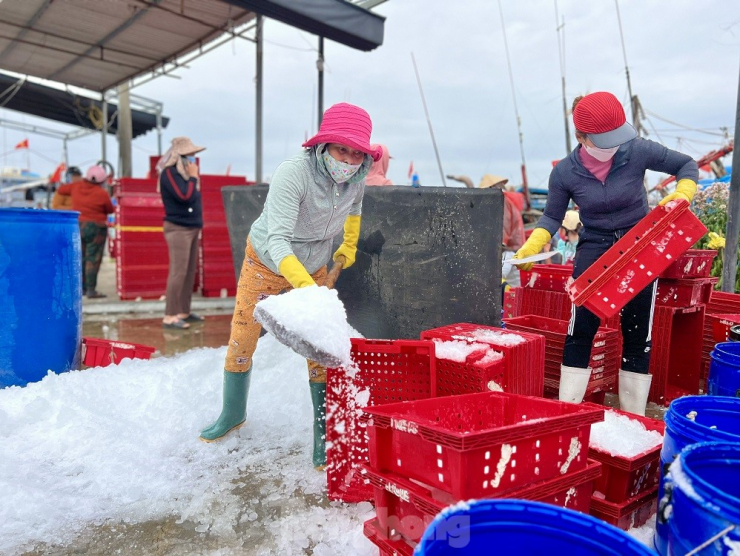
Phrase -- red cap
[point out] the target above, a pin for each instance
(349, 125)
(601, 117)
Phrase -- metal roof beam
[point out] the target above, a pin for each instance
(34, 18)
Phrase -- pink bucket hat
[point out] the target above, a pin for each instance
(96, 174)
(349, 125)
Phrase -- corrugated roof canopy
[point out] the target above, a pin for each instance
(98, 44)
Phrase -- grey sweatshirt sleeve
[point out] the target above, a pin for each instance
(558, 199)
(284, 198)
(663, 159)
(356, 208)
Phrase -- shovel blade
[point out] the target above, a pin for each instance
(294, 341)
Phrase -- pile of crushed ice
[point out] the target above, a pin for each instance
(119, 445)
(619, 435)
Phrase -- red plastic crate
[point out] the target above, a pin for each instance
(390, 371)
(723, 302)
(721, 324)
(511, 302)
(474, 375)
(695, 263)
(631, 513)
(97, 352)
(684, 292)
(522, 371)
(550, 277)
(551, 304)
(475, 444)
(637, 259)
(407, 508)
(386, 546)
(623, 478)
(675, 360)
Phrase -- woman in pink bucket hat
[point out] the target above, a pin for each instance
(313, 197)
(604, 176)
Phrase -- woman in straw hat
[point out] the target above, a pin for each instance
(183, 220)
(604, 176)
(313, 197)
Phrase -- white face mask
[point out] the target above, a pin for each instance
(339, 171)
(601, 155)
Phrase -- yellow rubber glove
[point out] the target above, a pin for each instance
(295, 273)
(539, 238)
(685, 189)
(349, 245)
(716, 241)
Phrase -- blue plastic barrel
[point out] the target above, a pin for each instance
(701, 505)
(724, 370)
(689, 420)
(40, 294)
(523, 527)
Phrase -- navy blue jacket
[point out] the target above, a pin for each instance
(621, 200)
(182, 204)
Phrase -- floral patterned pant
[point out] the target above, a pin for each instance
(93, 237)
(256, 282)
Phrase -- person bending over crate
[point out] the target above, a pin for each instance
(604, 176)
(313, 197)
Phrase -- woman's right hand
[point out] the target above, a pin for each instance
(192, 169)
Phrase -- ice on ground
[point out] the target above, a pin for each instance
(118, 446)
(645, 533)
(457, 350)
(619, 435)
(314, 314)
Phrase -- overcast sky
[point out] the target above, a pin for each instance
(683, 56)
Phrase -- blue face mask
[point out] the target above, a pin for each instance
(339, 171)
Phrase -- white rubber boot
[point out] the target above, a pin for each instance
(573, 383)
(633, 391)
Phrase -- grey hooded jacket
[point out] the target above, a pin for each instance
(305, 209)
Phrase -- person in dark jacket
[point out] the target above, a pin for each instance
(179, 186)
(93, 203)
(604, 177)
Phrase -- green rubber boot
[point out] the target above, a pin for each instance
(318, 398)
(233, 414)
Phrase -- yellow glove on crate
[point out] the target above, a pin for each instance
(685, 189)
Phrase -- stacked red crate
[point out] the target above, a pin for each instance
(428, 454)
(604, 353)
(216, 261)
(626, 493)
(383, 371)
(722, 306)
(142, 261)
(519, 370)
(679, 326)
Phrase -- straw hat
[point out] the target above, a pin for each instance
(183, 146)
(572, 221)
(349, 125)
(489, 180)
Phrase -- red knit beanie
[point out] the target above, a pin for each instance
(601, 117)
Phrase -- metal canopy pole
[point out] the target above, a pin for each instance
(729, 267)
(104, 130)
(125, 132)
(320, 67)
(258, 104)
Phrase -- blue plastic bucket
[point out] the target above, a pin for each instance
(40, 294)
(724, 370)
(523, 527)
(717, 419)
(701, 506)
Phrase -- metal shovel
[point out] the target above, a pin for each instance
(291, 339)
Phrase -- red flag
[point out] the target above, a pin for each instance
(411, 169)
(56, 177)
(22, 145)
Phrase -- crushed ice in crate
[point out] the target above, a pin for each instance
(619, 435)
(456, 350)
